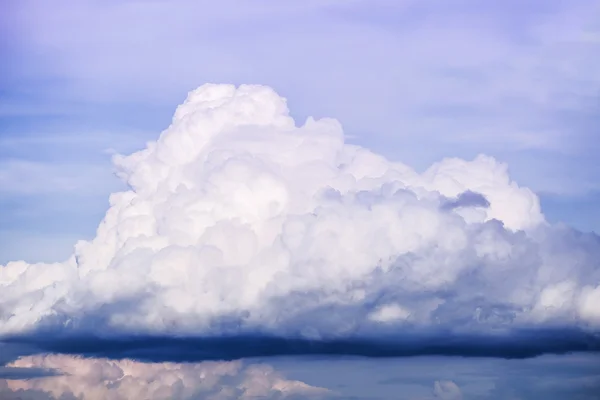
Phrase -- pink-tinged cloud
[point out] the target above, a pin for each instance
(101, 379)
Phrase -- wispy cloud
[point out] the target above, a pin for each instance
(469, 76)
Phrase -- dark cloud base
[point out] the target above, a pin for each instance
(523, 344)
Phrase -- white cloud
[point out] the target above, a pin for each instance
(236, 212)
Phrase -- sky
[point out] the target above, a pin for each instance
(274, 181)
(415, 81)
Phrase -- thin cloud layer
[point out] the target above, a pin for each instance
(239, 221)
(98, 379)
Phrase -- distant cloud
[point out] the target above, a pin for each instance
(100, 379)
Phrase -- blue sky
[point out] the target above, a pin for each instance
(414, 80)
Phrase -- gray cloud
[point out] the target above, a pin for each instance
(466, 199)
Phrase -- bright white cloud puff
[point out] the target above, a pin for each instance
(236, 213)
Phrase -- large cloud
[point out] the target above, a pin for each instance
(237, 220)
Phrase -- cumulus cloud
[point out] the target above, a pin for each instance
(238, 220)
(90, 379)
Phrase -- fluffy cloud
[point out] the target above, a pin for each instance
(91, 379)
(236, 214)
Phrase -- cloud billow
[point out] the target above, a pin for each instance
(237, 221)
